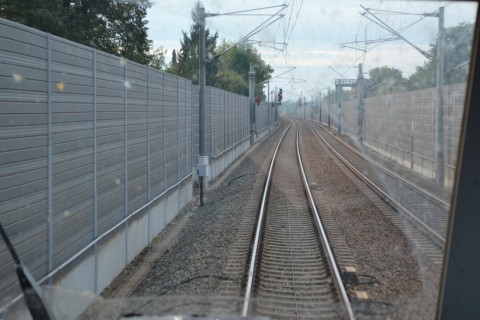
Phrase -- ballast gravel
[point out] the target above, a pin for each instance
(197, 263)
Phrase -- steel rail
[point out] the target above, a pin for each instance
(427, 194)
(256, 243)
(324, 238)
(430, 232)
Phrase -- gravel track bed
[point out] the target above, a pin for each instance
(406, 284)
(205, 266)
(406, 173)
(292, 271)
(210, 252)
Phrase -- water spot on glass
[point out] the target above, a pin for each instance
(66, 214)
(210, 55)
(17, 78)
(127, 84)
(117, 181)
(60, 86)
(122, 61)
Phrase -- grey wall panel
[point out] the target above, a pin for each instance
(83, 131)
(30, 250)
(71, 78)
(67, 58)
(391, 121)
(137, 150)
(20, 210)
(27, 85)
(13, 179)
(15, 190)
(24, 49)
(75, 50)
(29, 36)
(111, 93)
(21, 155)
(162, 138)
(110, 181)
(71, 146)
(72, 239)
(110, 141)
(22, 71)
(111, 149)
(73, 192)
(110, 214)
(71, 117)
(108, 64)
(107, 83)
(73, 173)
(22, 143)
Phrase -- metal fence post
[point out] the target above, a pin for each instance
(49, 160)
(186, 144)
(125, 159)
(213, 119)
(164, 148)
(148, 154)
(226, 137)
(411, 133)
(95, 202)
(177, 80)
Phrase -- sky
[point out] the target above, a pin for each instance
(314, 31)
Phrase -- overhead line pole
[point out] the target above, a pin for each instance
(203, 165)
(251, 91)
(360, 111)
(440, 70)
(201, 109)
(439, 143)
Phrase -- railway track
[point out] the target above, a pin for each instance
(292, 268)
(421, 208)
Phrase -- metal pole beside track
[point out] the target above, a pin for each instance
(202, 83)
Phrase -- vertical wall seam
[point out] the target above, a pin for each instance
(125, 122)
(49, 159)
(148, 154)
(95, 200)
(178, 132)
(186, 125)
(164, 149)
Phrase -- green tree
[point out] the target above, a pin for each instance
(458, 47)
(172, 68)
(158, 58)
(234, 66)
(114, 26)
(186, 62)
(384, 80)
(129, 27)
(48, 15)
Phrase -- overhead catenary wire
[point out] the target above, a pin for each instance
(384, 25)
(383, 39)
(371, 44)
(242, 11)
(256, 30)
